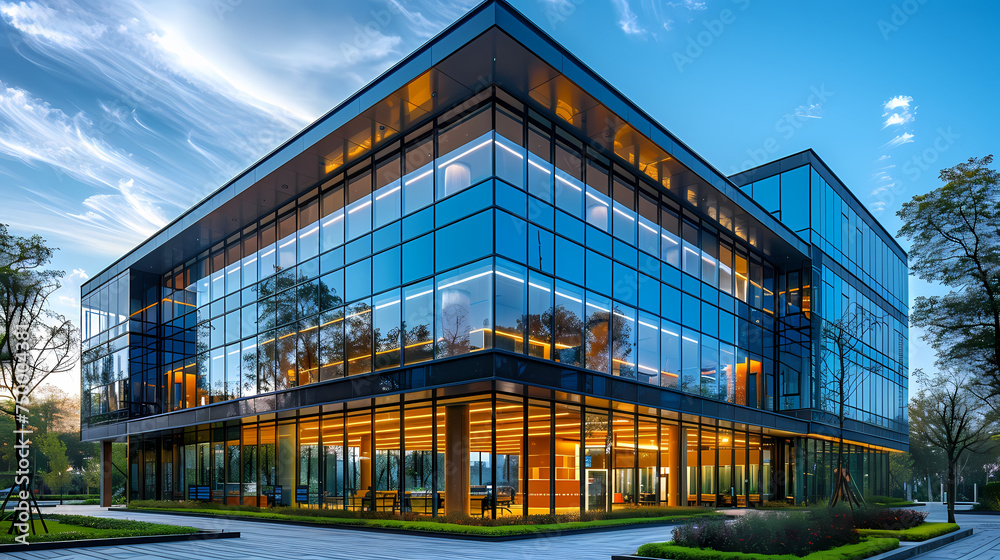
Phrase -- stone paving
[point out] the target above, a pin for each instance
(272, 541)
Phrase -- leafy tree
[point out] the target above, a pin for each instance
(91, 473)
(59, 473)
(956, 243)
(25, 287)
(900, 473)
(843, 375)
(954, 419)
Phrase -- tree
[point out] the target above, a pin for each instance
(956, 242)
(91, 473)
(844, 375)
(25, 316)
(900, 473)
(59, 474)
(954, 419)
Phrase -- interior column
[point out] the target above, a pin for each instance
(106, 472)
(366, 463)
(674, 463)
(456, 459)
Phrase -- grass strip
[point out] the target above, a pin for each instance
(439, 527)
(78, 527)
(918, 533)
(864, 549)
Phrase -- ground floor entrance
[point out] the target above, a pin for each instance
(488, 454)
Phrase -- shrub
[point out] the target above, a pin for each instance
(989, 500)
(888, 519)
(795, 533)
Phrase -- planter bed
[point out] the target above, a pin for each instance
(864, 549)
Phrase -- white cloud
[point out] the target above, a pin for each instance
(882, 157)
(628, 20)
(899, 140)
(877, 206)
(897, 111)
(65, 27)
(813, 111)
(898, 102)
(693, 5)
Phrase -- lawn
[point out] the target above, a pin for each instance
(443, 526)
(76, 527)
(918, 533)
(864, 549)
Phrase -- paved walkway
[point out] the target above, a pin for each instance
(270, 541)
(984, 544)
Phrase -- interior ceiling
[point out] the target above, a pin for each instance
(492, 57)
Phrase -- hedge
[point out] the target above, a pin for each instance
(919, 533)
(864, 549)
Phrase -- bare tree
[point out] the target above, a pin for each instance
(35, 341)
(844, 375)
(953, 418)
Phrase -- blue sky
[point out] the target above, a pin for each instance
(116, 116)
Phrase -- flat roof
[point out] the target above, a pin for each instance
(810, 157)
(456, 63)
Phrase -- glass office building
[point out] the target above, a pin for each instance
(488, 273)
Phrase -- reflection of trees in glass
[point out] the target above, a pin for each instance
(456, 330)
(282, 303)
(419, 466)
(358, 335)
(621, 346)
(598, 332)
(418, 343)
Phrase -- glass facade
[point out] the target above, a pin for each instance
(486, 302)
(856, 264)
(540, 456)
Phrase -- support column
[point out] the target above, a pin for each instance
(456, 459)
(106, 472)
(366, 463)
(674, 464)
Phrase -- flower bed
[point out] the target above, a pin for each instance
(888, 519)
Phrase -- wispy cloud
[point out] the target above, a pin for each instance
(627, 19)
(813, 111)
(53, 25)
(882, 157)
(899, 140)
(898, 111)
(877, 207)
(693, 5)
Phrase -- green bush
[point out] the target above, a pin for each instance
(50, 497)
(919, 533)
(97, 528)
(989, 499)
(92, 502)
(795, 533)
(863, 549)
(506, 520)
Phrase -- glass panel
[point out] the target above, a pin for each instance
(690, 352)
(418, 183)
(307, 485)
(510, 456)
(387, 330)
(623, 341)
(568, 324)
(462, 165)
(624, 451)
(358, 337)
(598, 331)
(332, 222)
(540, 316)
(358, 474)
(539, 459)
(510, 306)
(418, 318)
(334, 461)
(463, 310)
(418, 465)
(388, 191)
(597, 461)
(648, 358)
(331, 344)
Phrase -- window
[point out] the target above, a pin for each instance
(418, 323)
(598, 332)
(387, 331)
(568, 324)
(463, 318)
(464, 154)
(510, 306)
(540, 316)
